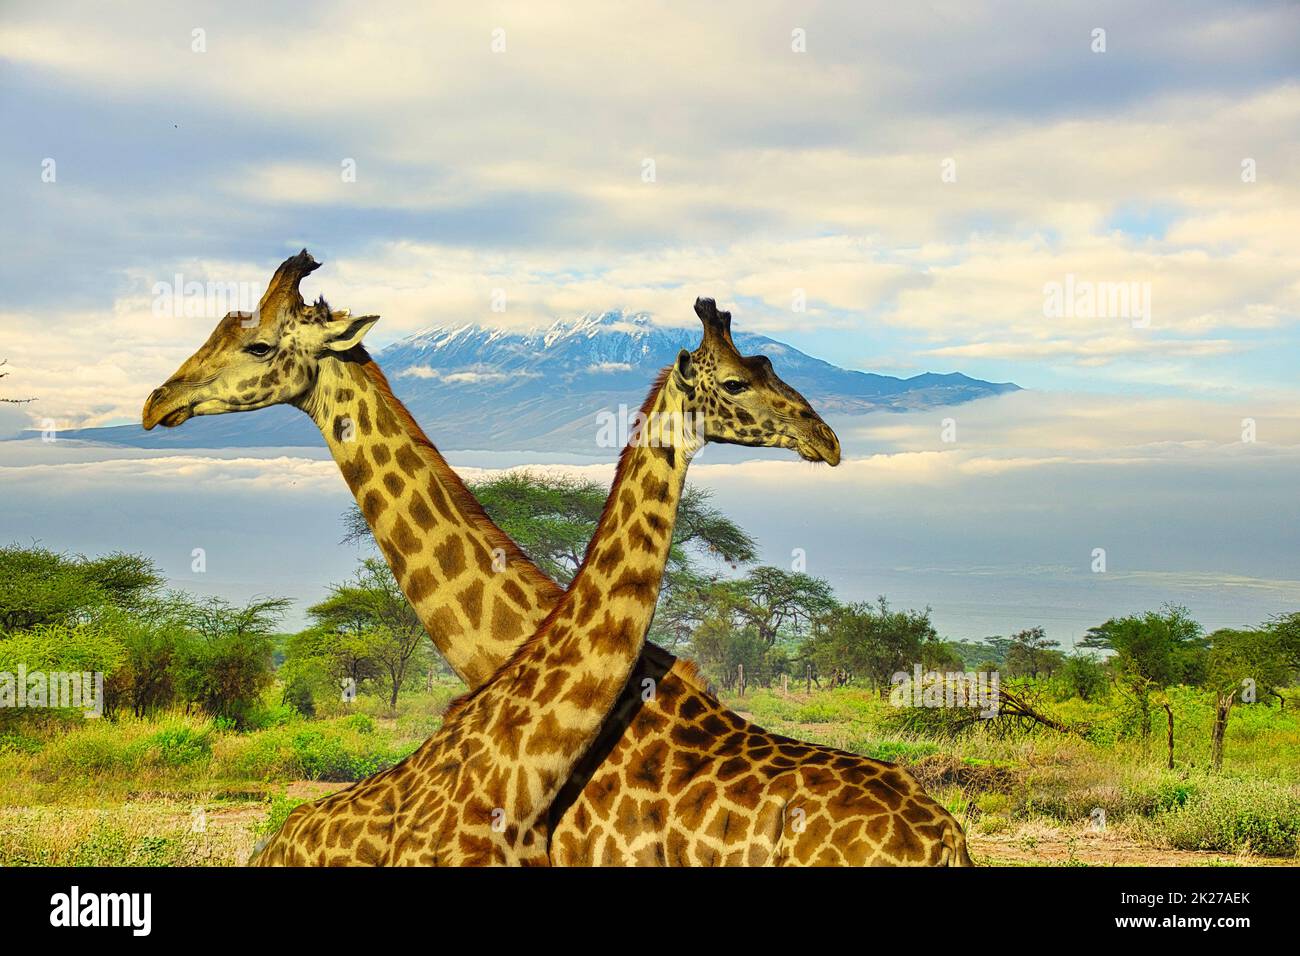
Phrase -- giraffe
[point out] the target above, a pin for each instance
(473, 589)
(638, 795)
(475, 792)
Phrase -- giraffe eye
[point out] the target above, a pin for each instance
(257, 348)
(735, 386)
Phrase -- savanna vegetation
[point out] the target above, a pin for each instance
(1151, 742)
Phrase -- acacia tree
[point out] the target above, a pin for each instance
(1152, 651)
(782, 605)
(226, 663)
(875, 642)
(373, 607)
(39, 586)
(553, 517)
(1241, 666)
(1029, 651)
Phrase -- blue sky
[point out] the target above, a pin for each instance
(917, 175)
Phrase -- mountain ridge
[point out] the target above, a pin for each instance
(480, 387)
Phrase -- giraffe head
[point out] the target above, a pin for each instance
(742, 401)
(263, 358)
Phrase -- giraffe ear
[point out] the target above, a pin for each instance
(684, 369)
(347, 331)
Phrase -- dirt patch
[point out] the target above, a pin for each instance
(312, 789)
(1037, 845)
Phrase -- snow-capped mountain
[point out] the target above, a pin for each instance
(474, 387)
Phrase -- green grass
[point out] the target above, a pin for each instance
(99, 792)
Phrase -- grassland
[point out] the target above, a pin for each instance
(179, 790)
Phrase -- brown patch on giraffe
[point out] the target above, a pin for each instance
(714, 724)
(565, 652)
(746, 792)
(505, 619)
(404, 537)
(356, 473)
(471, 599)
(647, 769)
(451, 557)
(394, 483)
(408, 460)
(600, 797)
(609, 557)
(420, 583)
(440, 504)
(443, 621)
(654, 813)
(482, 557)
(420, 512)
(678, 849)
(516, 594)
(726, 827)
(635, 584)
(904, 845)
(586, 598)
(372, 506)
(584, 691)
(691, 707)
(695, 804)
(552, 682)
(396, 560)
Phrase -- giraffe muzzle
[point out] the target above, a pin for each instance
(162, 408)
(821, 445)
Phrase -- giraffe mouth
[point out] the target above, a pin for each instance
(830, 456)
(157, 412)
(821, 446)
(175, 417)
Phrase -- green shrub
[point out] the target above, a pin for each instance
(97, 749)
(361, 723)
(280, 715)
(818, 712)
(323, 757)
(178, 745)
(299, 696)
(1234, 816)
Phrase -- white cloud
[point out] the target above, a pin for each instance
(778, 175)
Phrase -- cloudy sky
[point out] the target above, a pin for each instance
(920, 175)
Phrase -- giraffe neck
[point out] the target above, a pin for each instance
(474, 591)
(568, 676)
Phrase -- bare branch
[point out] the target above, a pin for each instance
(13, 401)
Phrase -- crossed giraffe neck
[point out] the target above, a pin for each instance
(472, 589)
(476, 791)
